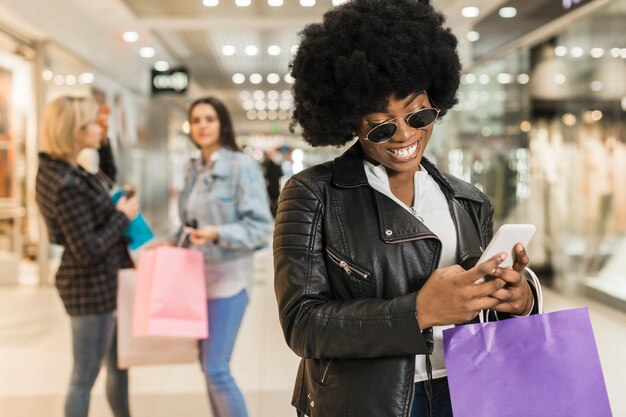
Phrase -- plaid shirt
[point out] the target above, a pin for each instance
(82, 218)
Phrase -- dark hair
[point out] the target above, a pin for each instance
(227, 132)
(363, 52)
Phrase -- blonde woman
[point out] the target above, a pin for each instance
(82, 218)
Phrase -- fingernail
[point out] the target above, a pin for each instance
(501, 257)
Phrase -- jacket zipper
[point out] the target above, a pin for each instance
(350, 269)
(414, 238)
(325, 371)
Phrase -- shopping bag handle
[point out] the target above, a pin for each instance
(181, 238)
(484, 314)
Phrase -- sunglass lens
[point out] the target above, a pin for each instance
(381, 133)
(422, 118)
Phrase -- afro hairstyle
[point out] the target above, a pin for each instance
(363, 52)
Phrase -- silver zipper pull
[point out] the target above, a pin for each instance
(344, 265)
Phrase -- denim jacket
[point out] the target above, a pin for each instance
(236, 202)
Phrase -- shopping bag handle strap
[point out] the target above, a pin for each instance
(181, 238)
(484, 314)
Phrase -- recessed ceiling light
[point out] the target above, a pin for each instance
(256, 78)
(161, 66)
(130, 37)
(470, 11)
(484, 79)
(523, 78)
(294, 49)
(228, 50)
(273, 50)
(595, 85)
(261, 114)
(285, 104)
(272, 105)
(504, 78)
(243, 3)
(272, 115)
(251, 50)
(258, 95)
(289, 79)
(307, 3)
(210, 3)
(560, 79)
(560, 50)
(239, 78)
(338, 2)
(47, 75)
(272, 95)
(273, 78)
(275, 3)
(472, 36)
(251, 115)
(577, 52)
(248, 105)
(86, 78)
(70, 79)
(147, 52)
(260, 105)
(58, 79)
(597, 52)
(615, 52)
(245, 95)
(508, 12)
(469, 78)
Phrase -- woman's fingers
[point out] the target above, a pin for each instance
(521, 258)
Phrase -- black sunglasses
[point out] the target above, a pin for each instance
(418, 119)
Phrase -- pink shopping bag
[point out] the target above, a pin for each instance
(171, 294)
(147, 350)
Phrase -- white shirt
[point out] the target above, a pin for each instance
(431, 207)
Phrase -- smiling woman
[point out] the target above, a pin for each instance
(375, 253)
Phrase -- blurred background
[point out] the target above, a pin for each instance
(540, 127)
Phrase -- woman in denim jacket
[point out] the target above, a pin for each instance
(224, 209)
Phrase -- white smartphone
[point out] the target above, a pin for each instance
(505, 239)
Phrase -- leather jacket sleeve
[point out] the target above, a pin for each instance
(316, 324)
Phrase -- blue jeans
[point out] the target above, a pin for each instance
(225, 316)
(441, 406)
(93, 339)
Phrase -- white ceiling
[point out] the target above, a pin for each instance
(187, 33)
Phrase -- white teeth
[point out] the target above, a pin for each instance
(405, 152)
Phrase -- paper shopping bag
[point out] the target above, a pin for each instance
(148, 350)
(540, 365)
(171, 294)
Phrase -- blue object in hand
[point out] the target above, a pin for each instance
(138, 230)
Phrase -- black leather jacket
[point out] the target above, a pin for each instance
(348, 264)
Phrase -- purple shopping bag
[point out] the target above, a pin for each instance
(540, 365)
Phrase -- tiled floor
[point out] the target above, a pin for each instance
(35, 358)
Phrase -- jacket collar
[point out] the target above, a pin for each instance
(220, 167)
(49, 163)
(396, 224)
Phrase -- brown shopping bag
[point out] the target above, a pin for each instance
(145, 350)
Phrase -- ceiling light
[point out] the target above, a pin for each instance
(289, 79)
(273, 78)
(243, 3)
(262, 115)
(272, 105)
(260, 105)
(577, 52)
(294, 49)
(58, 79)
(248, 105)
(147, 52)
(484, 79)
(251, 50)
(70, 79)
(338, 2)
(596, 86)
(245, 95)
(469, 78)
(258, 95)
(272, 95)
(228, 50)
(86, 78)
(568, 119)
(596, 52)
(523, 78)
(560, 50)
(615, 52)
(307, 3)
(286, 94)
(251, 115)
(210, 3)
(525, 126)
(623, 53)
(239, 78)
(470, 11)
(47, 75)
(504, 78)
(285, 104)
(560, 79)
(130, 36)
(272, 115)
(161, 66)
(283, 114)
(275, 3)
(256, 78)
(472, 36)
(508, 12)
(273, 50)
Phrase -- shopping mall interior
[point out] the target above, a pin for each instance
(540, 127)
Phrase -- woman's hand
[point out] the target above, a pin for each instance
(516, 296)
(128, 206)
(451, 295)
(203, 235)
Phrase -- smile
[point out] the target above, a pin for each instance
(406, 153)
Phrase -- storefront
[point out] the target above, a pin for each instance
(17, 141)
(542, 130)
